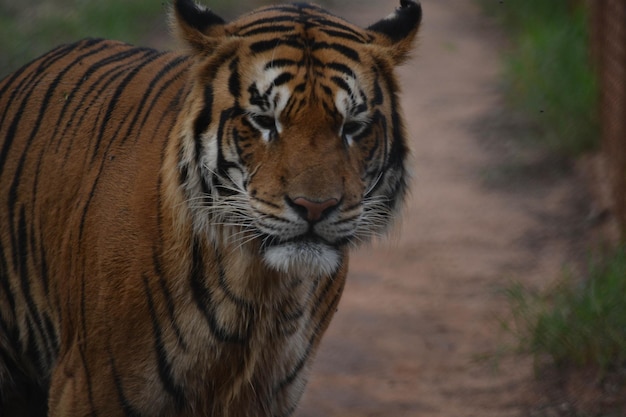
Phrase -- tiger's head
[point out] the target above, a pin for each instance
(292, 138)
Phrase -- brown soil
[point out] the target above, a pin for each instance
(418, 329)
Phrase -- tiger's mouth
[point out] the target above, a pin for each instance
(305, 254)
(308, 238)
(305, 243)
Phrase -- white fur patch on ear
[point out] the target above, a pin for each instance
(303, 258)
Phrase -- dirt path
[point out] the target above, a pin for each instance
(418, 313)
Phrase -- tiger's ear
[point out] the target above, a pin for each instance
(399, 30)
(198, 26)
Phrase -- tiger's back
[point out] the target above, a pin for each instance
(174, 229)
(72, 122)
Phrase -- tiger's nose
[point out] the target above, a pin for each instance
(313, 210)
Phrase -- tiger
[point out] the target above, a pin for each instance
(176, 226)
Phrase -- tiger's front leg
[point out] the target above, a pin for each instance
(71, 387)
(83, 384)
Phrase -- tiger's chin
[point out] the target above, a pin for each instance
(303, 258)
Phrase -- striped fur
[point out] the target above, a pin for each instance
(174, 228)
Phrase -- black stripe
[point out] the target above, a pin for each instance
(268, 203)
(283, 78)
(378, 120)
(368, 132)
(337, 66)
(329, 108)
(234, 83)
(234, 298)
(4, 279)
(361, 108)
(48, 334)
(268, 45)
(157, 77)
(38, 249)
(288, 323)
(45, 357)
(115, 58)
(223, 165)
(342, 49)
(258, 99)
(150, 56)
(302, 9)
(275, 218)
(204, 119)
(395, 155)
(53, 337)
(15, 90)
(164, 87)
(8, 140)
(11, 132)
(82, 347)
(184, 169)
(267, 29)
(340, 82)
(32, 348)
(271, 20)
(326, 23)
(129, 410)
(295, 371)
(44, 63)
(316, 333)
(398, 150)
(378, 92)
(53, 86)
(210, 71)
(98, 176)
(344, 35)
(163, 364)
(169, 300)
(279, 63)
(113, 73)
(291, 103)
(175, 103)
(203, 298)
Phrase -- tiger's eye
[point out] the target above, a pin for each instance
(264, 122)
(352, 128)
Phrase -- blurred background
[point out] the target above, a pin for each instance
(29, 28)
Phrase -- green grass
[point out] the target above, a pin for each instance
(548, 73)
(576, 324)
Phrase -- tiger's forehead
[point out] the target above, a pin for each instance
(299, 18)
(286, 79)
(299, 53)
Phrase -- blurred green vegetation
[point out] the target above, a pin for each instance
(579, 326)
(28, 28)
(548, 73)
(576, 323)
(548, 76)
